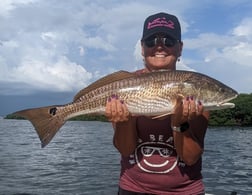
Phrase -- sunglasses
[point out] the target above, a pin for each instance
(166, 41)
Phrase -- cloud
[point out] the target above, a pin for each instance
(8, 5)
(244, 29)
(62, 75)
(137, 51)
(225, 56)
(40, 60)
(61, 45)
(235, 47)
(54, 48)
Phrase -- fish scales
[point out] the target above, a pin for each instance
(149, 94)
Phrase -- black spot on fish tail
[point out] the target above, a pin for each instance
(53, 111)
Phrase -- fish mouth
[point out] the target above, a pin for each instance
(226, 103)
(229, 99)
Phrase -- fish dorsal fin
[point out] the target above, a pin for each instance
(116, 76)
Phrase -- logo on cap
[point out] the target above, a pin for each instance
(161, 22)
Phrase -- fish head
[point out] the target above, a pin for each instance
(215, 95)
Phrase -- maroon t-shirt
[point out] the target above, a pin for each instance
(154, 167)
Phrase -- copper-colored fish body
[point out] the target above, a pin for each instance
(150, 94)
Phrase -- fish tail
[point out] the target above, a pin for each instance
(45, 120)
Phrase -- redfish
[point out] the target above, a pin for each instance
(149, 94)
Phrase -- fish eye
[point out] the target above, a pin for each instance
(221, 90)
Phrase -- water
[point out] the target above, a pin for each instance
(82, 160)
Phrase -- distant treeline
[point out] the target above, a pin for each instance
(240, 115)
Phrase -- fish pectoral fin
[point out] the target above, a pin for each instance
(180, 96)
(162, 115)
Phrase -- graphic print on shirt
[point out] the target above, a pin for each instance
(156, 156)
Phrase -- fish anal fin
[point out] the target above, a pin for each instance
(178, 100)
(45, 121)
(103, 81)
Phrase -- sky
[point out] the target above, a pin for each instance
(51, 49)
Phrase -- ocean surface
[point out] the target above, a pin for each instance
(81, 160)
